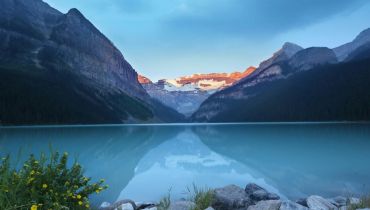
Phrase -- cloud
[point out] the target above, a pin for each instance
(252, 18)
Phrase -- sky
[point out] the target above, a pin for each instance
(171, 38)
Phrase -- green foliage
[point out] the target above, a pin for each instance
(165, 202)
(364, 203)
(202, 197)
(46, 183)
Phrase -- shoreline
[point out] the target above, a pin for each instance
(232, 197)
(183, 124)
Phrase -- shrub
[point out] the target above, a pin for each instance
(364, 203)
(165, 202)
(46, 183)
(202, 197)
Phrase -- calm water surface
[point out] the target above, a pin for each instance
(144, 162)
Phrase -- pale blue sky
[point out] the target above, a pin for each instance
(170, 38)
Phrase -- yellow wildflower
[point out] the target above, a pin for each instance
(32, 172)
(44, 186)
(80, 203)
(34, 207)
(87, 206)
(30, 180)
(79, 196)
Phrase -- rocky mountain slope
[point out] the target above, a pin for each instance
(310, 85)
(185, 94)
(59, 68)
(345, 50)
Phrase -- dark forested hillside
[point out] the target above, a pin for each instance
(30, 96)
(58, 68)
(334, 92)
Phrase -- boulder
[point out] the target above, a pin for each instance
(266, 205)
(105, 204)
(302, 201)
(289, 205)
(231, 197)
(146, 205)
(315, 202)
(354, 200)
(125, 206)
(182, 205)
(338, 201)
(257, 193)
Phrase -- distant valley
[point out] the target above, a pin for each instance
(185, 94)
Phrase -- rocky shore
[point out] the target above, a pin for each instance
(252, 197)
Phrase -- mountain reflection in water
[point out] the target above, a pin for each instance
(144, 162)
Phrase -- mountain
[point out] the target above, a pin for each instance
(59, 68)
(207, 82)
(343, 51)
(185, 94)
(309, 86)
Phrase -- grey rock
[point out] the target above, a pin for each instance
(185, 102)
(311, 57)
(182, 205)
(69, 46)
(302, 201)
(105, 204)
(125, 206)
(364, 209)
(266, 205)
(285, 53)
(231, 197)
(145, 205)
(343, 51)
(209, 208)
(354, 200)
(338, 201)
(289, 205)
(315, 202)
(257, 193)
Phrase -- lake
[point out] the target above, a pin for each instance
(144, 162)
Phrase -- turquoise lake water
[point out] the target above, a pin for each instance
(144, 162)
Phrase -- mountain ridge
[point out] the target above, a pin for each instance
(222, 106)
(344, 50)
(186, 93)
(38, 42)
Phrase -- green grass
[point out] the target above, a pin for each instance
(364, 203)
(165, 202)
(46, 182)
(202, 197)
